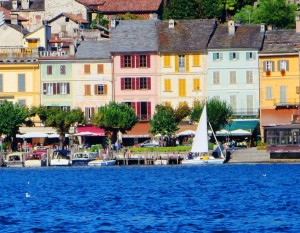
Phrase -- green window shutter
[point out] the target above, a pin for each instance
(214, 56)
(265, 66)
(287, 65)
(273, 65)
(254, 56)
(237, 56)
(221, 56)
(247, 56)
(278, 65)
(230, 56)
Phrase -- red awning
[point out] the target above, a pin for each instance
(89, 131)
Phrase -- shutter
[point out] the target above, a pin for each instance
(273, 66)
(237, 56)
(149, 83)
(230, 56)
(137, 83)
(44, 88)
(278, 65)
(21, 82)
(54, 88)
(1, 83)
(287, 65)
(137, 61)
(221, 56)
(86, 113)
(122, 61)
(49, 70)
(105, 89)
(247, 56)
(253, 55)
(100, 69)
(132, 61)
(133, 105)
(68, 88)
(92, 111)
(176, 63)
(265, 66)
(62, 69)
(138, 109)
(95, 89)
(167, 61)
(58, 88)
(148, 61)
(122, 83)
(187, 63)
(148, 110)
(214, 56)
(133, 83)
(196, 60)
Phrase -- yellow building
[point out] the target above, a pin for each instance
(279, 78)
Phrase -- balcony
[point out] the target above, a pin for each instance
(7, 53)
(246, 113)
(288, 103)
(49, 53)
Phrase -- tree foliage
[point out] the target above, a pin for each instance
(164, 121)
(100, 20)
(218, 113)
(181, 112)
(58, 119)
(114, 117)
(270, 12)
(128, 16)
(12, 116)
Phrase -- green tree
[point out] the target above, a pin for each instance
(270, 12)
(100, 20)
(114, 117)
(181, 9)
(58, 119)
(12, 116)
(128, 16)
(218, 113)
(164, 121)
(181, 112)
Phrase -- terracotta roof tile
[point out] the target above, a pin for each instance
(131, 5)
(7, 14)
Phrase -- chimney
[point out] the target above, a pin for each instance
(14, 19)
(113, 22)
(25, 4)
(154, 16)
(171, 23)
(297, 23)
(14, 4)
(262, 27)
(231, 27)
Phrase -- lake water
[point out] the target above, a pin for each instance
(226, 198)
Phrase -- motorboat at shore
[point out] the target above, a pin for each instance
(83, 158)
(60, 158)
(15, 159)
(36, 159)
(101, 163)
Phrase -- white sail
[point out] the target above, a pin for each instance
(200, 142)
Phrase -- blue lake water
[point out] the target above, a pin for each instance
(226, 198)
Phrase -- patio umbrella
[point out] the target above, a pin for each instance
(186, 133)
(34, 135)
(240, 132)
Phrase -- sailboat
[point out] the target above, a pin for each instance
(199, 152)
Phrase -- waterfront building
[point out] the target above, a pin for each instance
(92, 76)
(135, 66)
(232, 67)
(279, 77)
(182, 60)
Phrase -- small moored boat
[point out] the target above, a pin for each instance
(15, 159)
(61, 158)
(36, 159)
(83, 158)
(101, 163)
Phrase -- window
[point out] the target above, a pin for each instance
(268, 65)
(49, 89)
(196, 60)
(182, 88)
(127, 61)
(283, 65)
(249, 103)
(217, 56)
(282, 94)
(268, 93)
(87, 89)
(167, 61)
(142, 61)
(249, 77)
(127, 83)
(88, 114)
(100, 69)
(232, 77)
(143, 83)
(233, 102)
(167, 84)
(250, 56)
(87, 69)
(196, 83)
(181, 63)
(1, 83)
(21, 82)
(216, 77)
(63, 88)
(143, 110)
(65, 108)
(49, 70)
(62, 69)
(233, 56)
(22, 102)
(100, 89)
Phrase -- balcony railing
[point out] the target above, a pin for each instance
(53, 53)
(18, 52)
(246, 113)
(286, 103)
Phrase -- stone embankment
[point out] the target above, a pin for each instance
(252, 155)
